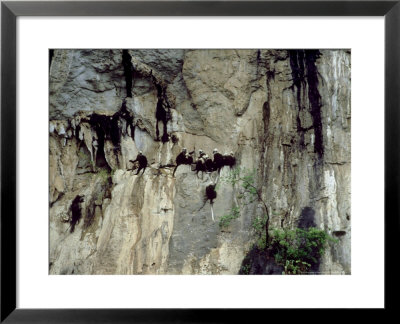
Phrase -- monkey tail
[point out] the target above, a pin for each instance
(212, 213)
(173, 174)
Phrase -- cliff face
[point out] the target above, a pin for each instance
(284, 113)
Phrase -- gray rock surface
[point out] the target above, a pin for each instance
(286, 114)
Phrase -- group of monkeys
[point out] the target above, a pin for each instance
(203, 163)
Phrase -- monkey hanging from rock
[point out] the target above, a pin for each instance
(163, 108)
(76, 212)
(210, 194)
(142, 162)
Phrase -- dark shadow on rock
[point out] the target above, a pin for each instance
(128, 71)
(307, 218)
(75, 211)
(259, 262)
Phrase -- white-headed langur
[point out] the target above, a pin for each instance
(142, 162)
(183, 158)
(209, 163)
(218, 162)
(229, 160)
(201, 163)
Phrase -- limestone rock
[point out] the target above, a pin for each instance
(284, 113)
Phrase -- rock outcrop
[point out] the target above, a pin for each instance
(284, 113)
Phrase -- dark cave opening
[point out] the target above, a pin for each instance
(302, 63)
(163, 110)
(266, 116)
(102, 126)
(125, 114)
(260, 262)
(161, 115)
(111, 128)
(128, 71)
(75, 211)
(116, 125)
(315, 99)
(307, 218)
(77, 130)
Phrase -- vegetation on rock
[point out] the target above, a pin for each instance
(296, 250)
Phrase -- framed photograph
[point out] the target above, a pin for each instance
(162, 159)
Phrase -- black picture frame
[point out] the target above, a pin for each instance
(11, 10)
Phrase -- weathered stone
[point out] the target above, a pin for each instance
(285, 113)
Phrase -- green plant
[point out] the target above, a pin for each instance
(248, 193)
(297, 250)
(246, 268)
(225, 220)
(258, 225)
(296, 267)
(262, 241)
(104, 174)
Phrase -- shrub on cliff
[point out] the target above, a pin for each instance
(299, 249)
